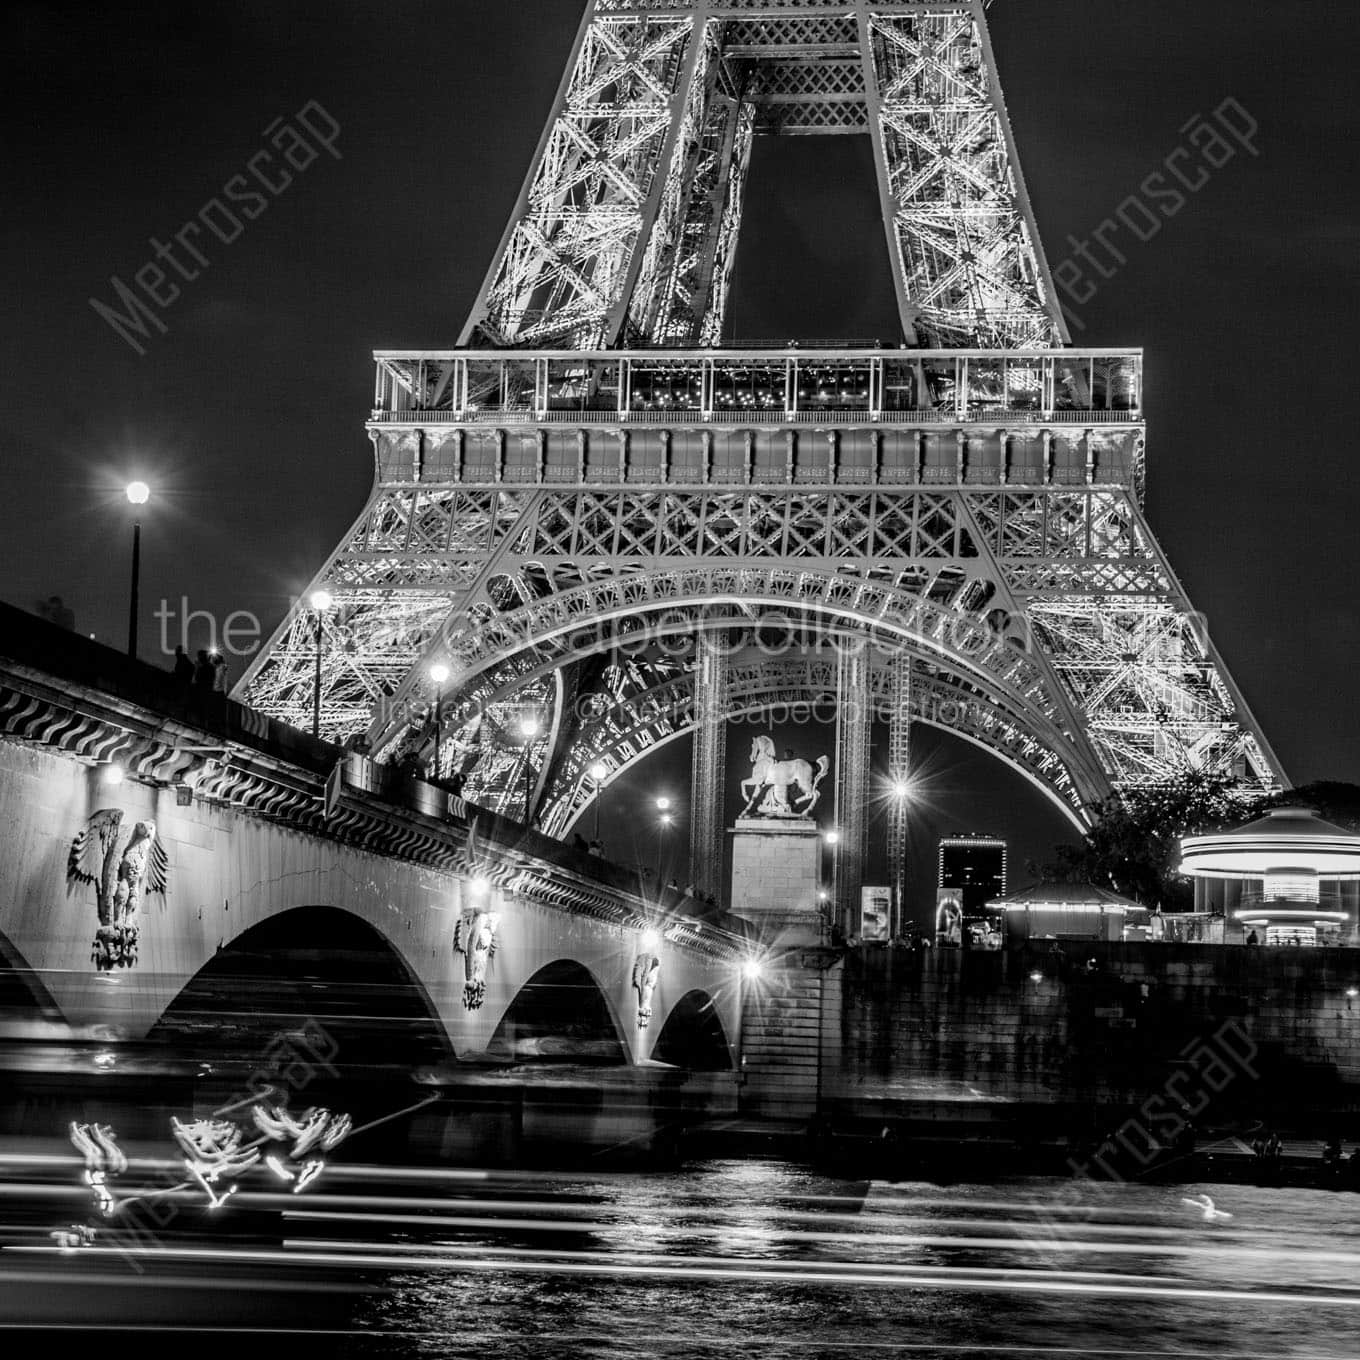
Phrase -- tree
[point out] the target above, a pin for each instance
(1133, 845)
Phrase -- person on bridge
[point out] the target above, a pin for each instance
(184, 668)
(203, 672)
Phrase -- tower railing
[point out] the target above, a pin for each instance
(792, 386)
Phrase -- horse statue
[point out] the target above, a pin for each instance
(778, 776)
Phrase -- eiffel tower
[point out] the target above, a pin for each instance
(594, 511)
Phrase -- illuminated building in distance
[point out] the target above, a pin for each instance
(972, 872)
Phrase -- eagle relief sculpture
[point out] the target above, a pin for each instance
(646, 969)
(474, 937)
(121, 868)
(776, 777)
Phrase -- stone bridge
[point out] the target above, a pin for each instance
(257, 825)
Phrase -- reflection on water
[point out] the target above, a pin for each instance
(722, 1258)
(768, 1259)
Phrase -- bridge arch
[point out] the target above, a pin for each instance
(693, 1036)
(320, 966)
(560, 1013)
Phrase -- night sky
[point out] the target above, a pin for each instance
(246, 416)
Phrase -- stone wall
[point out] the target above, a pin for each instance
(940, 1029)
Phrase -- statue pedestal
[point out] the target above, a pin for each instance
(776, 873)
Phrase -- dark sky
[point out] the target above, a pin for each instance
(247, 415)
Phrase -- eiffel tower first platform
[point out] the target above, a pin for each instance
(593, 511)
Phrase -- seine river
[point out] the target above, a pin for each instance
(761, 1258)
(750, 1258)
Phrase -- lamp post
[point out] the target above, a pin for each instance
(663, 806)
(439, 673)
(138, 493)
(833, 839)
(897, 854)
(528, 729)
(321, 601)
(599, 771)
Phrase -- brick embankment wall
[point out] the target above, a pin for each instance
(1037, 1026)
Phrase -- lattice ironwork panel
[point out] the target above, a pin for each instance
(971, 265)
(564, 268)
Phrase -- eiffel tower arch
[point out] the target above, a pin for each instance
(597, 509)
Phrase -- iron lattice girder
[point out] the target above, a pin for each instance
(923, 556)
(1065, 560)
(627, 222)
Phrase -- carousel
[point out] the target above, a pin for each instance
(1285, 873)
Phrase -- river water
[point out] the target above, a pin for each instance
(718, 1259)
(768, 1259)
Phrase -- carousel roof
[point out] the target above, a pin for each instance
(1285, 839)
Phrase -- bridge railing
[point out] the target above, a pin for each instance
(795, 385)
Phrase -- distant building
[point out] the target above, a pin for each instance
(972, 872)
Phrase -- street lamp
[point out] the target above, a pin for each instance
(833, 839)
(663, 805)
(528, 729)
(138, 493)
(321, 601)
(599, 772)
(897, 853)
(439, 673)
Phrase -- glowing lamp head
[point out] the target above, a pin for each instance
(439, 673)
(528, 726)
(322, 600)
(752, 969)
(113, 774)
(481, 885)
(1353, 992)
(138, 493)
(663, 803)
(899, 788)
(1036, 976)
(650, 938)
(833, 837)
(598, 771)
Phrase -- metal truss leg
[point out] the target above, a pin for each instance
(899, 769)
(709, 769)
(852, 784)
